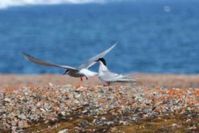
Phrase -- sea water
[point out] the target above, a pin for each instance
(153, 37)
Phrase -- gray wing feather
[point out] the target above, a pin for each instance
(92, 60)
(114, 77)
(44, 63)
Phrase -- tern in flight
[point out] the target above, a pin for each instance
(79, 72)
(107, 77)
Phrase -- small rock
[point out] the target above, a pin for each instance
(110, 123)
(63, 131)
(50, 84)
(103, 118)
(14, 129)
(23, 124)
(123, 122)
(174, 125)
(192, 128)
(7, 100)
(22, 117)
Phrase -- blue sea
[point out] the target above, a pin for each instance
(153, 37)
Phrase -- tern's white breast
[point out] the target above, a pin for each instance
(88, 73)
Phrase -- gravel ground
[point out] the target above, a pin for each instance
(32, 103)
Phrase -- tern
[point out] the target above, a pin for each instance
(107, 77)
(78, 72)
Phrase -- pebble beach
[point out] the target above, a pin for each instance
(56, 103)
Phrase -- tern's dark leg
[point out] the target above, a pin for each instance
(106, 83)
(80, 83)
(66, 71)
(86, 77)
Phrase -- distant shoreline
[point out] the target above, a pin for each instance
(146, 79)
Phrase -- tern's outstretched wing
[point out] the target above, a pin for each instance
(92, 60)
(44, 63)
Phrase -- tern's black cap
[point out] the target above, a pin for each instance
(102, 60)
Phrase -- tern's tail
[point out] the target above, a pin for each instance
(126, 79)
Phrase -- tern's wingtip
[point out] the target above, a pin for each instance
(116, 43)
(24, 53)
